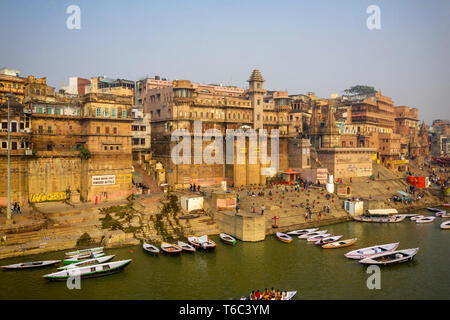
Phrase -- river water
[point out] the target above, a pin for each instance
(230, 272)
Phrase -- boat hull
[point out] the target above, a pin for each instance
(369, 251)
(34, 265)
(407, 255)
(283, 237)
(379, 219)
(227, 239)
(333, 245)
(91, 275)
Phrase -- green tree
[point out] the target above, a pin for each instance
(359, 90)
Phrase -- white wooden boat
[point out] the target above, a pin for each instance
(445, 225)
(425, 220)
(97, 270)
(434, 209)
(440, 213)
(170, 248)
(88, 262)
(284, 237)
(446, 215)
(318, 237)
(226, 238)
(185, 247)
(84, 251)
(81, 257)
(301, 231)
(339, 244)
(391, 257)
(150, 248)
(371, 251)
(31, 265)
(193, 240)
(289, 296)
(417, 217)
(380, 218)
(206, 243)
(328, 240)
(310, 234)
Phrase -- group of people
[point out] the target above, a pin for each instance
(194, 188)
(269, 295)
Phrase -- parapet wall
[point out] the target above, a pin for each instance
(245, 227)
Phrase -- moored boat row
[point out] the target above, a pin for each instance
(194, 243)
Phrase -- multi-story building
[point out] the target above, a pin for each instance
(216, 107)
(11, 83)
(20, 150)
(76, 85)
(79, 147)
(119, 87)
(141, 135)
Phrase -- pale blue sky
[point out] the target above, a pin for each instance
(299, 46)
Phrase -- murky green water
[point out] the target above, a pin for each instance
(231, 272)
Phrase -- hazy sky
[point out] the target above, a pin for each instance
(299, 46)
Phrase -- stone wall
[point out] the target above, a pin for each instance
(245, 227)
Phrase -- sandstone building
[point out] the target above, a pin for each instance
(74, 147)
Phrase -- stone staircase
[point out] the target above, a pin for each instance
(148, 180)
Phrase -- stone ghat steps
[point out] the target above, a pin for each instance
(52, 233)
(75, 219)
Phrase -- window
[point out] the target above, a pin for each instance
(115, 130)
(40, 109)
(111, 148)
(98, 129)
(106, 112)
(113, 113)
(258, 102)
(58, 111)
(14, 145)
(257, 117)
(99, 112)
(117, 147)
(107, 130)
(142, 141)
(88, 112)
(106, 148)
(4, 145)
(40, 129)
(258, 85)
(49, 110)
(124, 113)
(50, 129)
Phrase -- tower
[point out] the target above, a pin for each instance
(330, 131)
(423, 139)
(256, 94)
